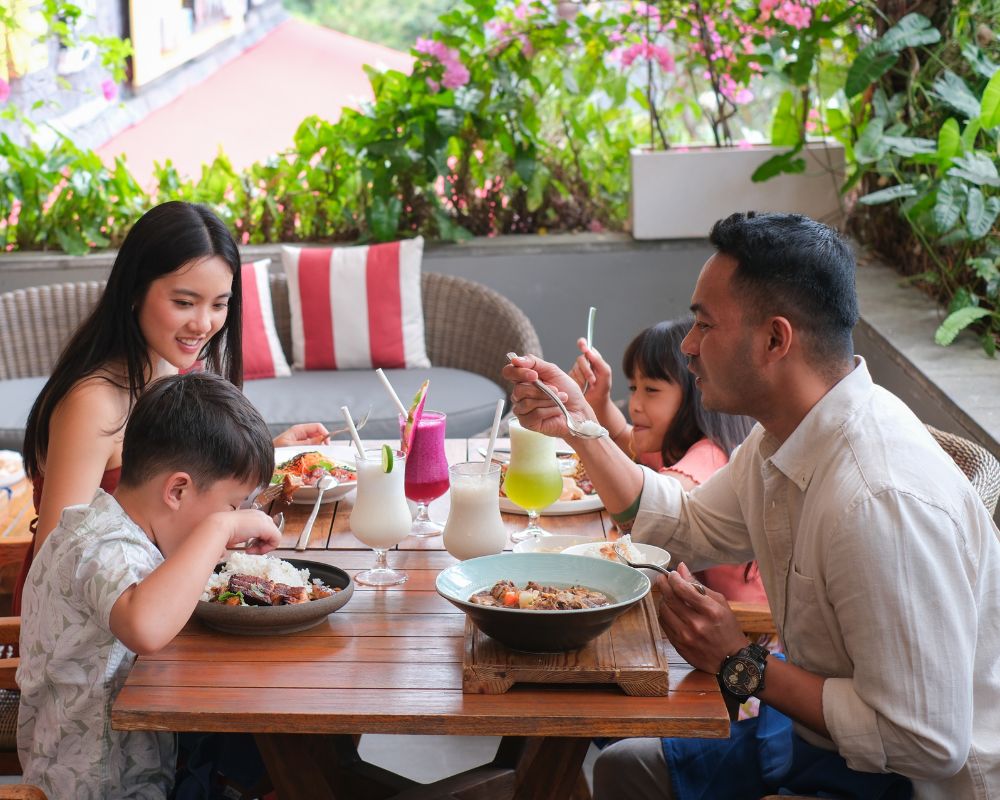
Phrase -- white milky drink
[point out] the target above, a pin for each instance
(474, 527)
(380, 517)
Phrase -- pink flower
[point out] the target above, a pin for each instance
(4, 90)
(455, 75)
(743, 144)
(110, 89)
(455, 72)
(795, 15)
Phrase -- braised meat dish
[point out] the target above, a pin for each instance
(535, 597)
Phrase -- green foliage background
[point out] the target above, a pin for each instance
(390, 22)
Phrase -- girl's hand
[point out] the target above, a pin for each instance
(303, 433)
(591, 369)
(253, 527)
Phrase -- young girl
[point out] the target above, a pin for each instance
(172, 299)
(671, 431)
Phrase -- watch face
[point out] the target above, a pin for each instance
(741, 676)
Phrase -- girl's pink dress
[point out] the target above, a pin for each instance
(739, 582)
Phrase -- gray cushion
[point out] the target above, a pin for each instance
(468, 399)
(16, 398)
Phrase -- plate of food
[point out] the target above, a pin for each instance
(298, 469)
(11, 467)
(578, 497)
(637, 552)
(264, 595)
(553, 543)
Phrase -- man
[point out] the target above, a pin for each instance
(881, 565)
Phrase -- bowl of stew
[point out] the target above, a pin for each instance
(542, 602)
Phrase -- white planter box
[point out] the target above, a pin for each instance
(679, 194)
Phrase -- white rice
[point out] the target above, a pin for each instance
(594, 549)
(259, 566)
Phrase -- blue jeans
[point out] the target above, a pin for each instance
(763, 756)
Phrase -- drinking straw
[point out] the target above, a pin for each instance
(590, 338)
(391, 391)
(354, 431)
(493, 436)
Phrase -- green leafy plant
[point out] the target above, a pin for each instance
(928, 146)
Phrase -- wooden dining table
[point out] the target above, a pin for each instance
(390, 662)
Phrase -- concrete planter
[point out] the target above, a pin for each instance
(680, 193)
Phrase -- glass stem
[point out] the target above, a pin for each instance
(381, 562)
(422, 515)
(532, 518)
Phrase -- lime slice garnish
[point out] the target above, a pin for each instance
(386, 458)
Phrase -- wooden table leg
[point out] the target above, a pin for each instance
(549, 768)
(324, 768)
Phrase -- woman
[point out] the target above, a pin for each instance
(173, 299)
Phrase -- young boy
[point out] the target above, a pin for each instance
(121, 577)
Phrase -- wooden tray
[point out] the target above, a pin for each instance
(631, 653)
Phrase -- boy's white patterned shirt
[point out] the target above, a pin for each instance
(72, 666)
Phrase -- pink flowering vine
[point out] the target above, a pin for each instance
(456, 74)
(4, 90)
(109, 89)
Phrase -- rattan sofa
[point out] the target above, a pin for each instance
(468, 327)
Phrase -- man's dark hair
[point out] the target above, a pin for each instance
(198, 423)
(792, 266)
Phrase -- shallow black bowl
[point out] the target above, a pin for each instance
(273, 620)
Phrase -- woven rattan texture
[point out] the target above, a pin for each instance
(36, 322)
(978, 464)
(467, 325)
(8, 719)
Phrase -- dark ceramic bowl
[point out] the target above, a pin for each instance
(543, 631)
(274, 620)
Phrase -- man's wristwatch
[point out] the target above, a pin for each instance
(742, 674)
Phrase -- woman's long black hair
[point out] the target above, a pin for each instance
(656, 353)
(164, 239)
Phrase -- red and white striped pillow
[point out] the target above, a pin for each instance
(356, 307)
(262, 353)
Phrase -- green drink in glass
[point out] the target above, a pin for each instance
(533, 479)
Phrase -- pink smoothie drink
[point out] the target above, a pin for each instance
(426, 463)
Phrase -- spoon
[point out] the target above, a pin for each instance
(324, 483)
(655, 567)
(588, 429)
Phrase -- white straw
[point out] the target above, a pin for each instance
(493, 436)
(354, 431)
(391, 391)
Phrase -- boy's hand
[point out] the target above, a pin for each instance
(590, 368)
(303, 433)
(255, 528)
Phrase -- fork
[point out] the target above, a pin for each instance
(571, 423)
(617, 547)
(357, 425)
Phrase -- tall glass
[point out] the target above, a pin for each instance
(533, 479)
(426, 469)
(380, 517)
(474, 527)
